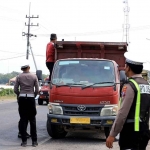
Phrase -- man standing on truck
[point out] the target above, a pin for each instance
(24, 88)
(50, 53)
(132, 121)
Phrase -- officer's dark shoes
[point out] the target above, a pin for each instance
(34, 143)
(24, 144)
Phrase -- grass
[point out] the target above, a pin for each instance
(8, 97)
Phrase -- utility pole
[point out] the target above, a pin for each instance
(126, 24)
(29, 34)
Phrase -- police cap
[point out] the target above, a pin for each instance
(134, 58)
(25, 64)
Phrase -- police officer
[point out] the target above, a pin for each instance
(26, 87)
(132, 121)
(50, 53)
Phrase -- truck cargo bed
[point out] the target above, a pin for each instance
(105, 50)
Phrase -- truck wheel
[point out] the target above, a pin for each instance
(55, 131)
(40, 101)
(47, 101)
(107, 131)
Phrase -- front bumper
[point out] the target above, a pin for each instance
(97, 121)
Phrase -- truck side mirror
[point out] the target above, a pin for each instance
(123, 77)
(39, 74)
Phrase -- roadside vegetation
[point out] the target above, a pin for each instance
(4, 78)
(7, 94)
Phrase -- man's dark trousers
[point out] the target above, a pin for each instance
(27, 111)
(130, 139)
(50, 66)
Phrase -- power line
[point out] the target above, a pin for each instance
(39, 55)
(44, 27)
(12, 10)
(10, 19)
(20, 53)
(97, 32)
(12, 57)
(10, 52)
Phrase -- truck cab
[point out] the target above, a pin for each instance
(85, 89)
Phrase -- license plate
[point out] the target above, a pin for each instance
(42, 97)
(54, 120)
(80, 120)
(109, 122)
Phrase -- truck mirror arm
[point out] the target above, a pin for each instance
(50, 84)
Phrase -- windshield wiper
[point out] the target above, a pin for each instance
(95, 84)
(68, 84)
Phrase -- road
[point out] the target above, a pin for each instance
(9, 129)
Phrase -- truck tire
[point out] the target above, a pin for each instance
(47, 101)
(40, 101)
(106, 131)
(55, 131)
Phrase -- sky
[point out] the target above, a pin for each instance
(80, 20)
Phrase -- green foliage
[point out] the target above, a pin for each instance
(4, 78)
(6, 92)
(44, 76)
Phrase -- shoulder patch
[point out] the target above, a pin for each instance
(124, 89)
(123, 93)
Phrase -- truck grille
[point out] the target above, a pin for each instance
(89, 111)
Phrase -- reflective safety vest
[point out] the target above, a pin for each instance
(137, 108)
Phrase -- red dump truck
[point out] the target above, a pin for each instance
(85, 87)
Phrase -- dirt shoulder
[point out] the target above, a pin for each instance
(5, 98)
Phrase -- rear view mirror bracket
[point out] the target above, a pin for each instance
(123, 77)
(39, 74)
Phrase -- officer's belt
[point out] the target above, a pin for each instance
(131, 120)
(26, 95)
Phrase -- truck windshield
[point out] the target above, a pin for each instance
(83, 72)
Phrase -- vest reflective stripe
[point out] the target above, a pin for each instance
(120, 101)
(137, 108)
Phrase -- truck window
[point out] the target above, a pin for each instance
(83, 71)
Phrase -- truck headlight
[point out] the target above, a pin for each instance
(41, 92)
(55, 108)
(109, 110)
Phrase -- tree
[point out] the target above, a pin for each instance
(4, 78)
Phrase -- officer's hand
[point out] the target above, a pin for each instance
(109, 141)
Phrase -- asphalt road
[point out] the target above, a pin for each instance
(9, 130)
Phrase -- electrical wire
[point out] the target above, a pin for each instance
(20, 53)
(44, 27)
(11, 57)
(97, 32)
(10, 52)
(12, 10)
(11, 19)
